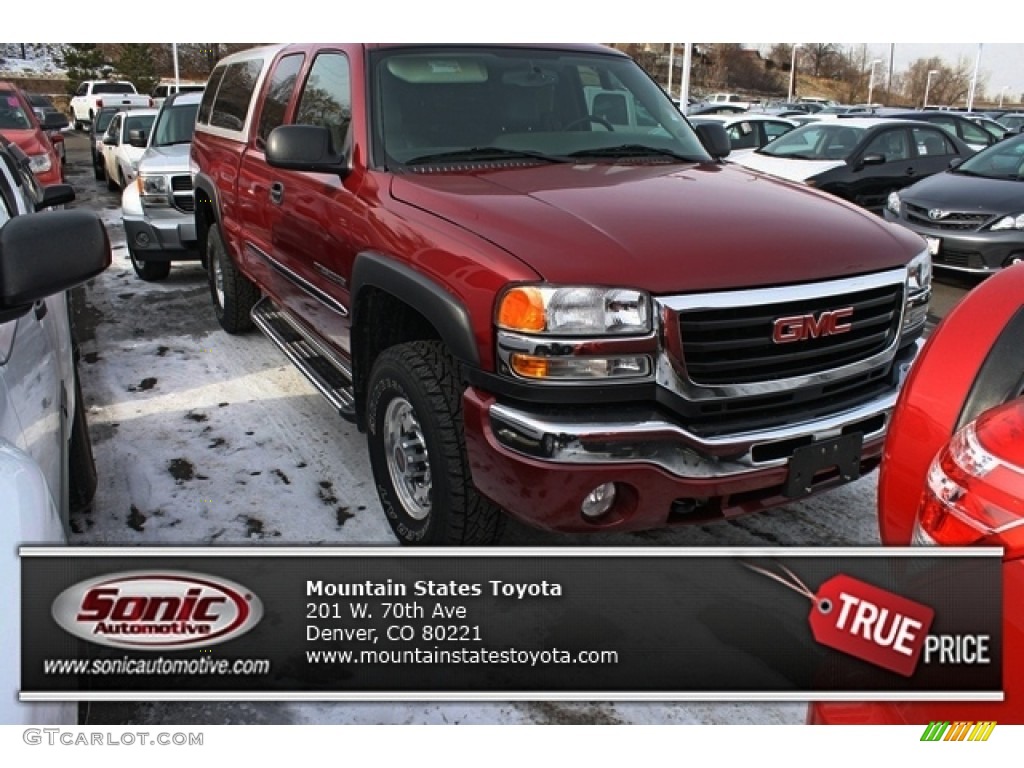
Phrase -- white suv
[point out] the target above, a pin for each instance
(46, 465)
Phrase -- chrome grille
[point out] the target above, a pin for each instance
(181, 183)
(734, 345)
(955, 221)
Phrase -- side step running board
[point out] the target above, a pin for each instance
(318, 364)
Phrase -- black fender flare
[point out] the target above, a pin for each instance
(441, 308)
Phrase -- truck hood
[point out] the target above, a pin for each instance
(662, 228)
(169, 159)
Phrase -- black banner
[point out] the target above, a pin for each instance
(667, 623)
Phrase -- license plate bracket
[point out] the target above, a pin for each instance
(842, 452)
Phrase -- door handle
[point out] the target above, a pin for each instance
(276, 192)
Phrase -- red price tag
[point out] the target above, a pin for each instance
(873, 624)
(864, 621)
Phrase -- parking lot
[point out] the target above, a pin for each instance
(202, 438)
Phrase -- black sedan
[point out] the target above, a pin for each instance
(858, 159)
(973, 215)
(961, 126)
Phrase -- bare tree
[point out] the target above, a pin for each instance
(949, 85)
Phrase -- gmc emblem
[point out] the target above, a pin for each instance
(803, 327)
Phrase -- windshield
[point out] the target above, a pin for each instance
(103, 118)
(816, 141)
(508, 104)
(175, 125)
(12, 115)
(113, 88)
(1004, 160)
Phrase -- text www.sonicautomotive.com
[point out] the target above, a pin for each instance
(156, 666)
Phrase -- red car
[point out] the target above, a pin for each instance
(953, 474)
(18, 123)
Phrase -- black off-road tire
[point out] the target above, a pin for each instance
(82, 480)
(235, 296)
(97, 171)
(150, 271)
(421, 379)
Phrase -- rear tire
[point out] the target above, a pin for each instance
(233, 294)
(150, 271)
(418, 450)
(111, 184)
(82, 479)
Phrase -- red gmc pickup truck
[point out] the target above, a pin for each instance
(539, 290)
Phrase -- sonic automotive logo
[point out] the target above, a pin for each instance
(157, 610)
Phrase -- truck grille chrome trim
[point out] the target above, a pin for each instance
(725, 345)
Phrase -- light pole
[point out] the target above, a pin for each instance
(871, 79)
(1004, 90)
(792, 72)
(928, 86)
(974, 81)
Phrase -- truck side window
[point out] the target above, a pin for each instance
(327, 97)
(235, 93)
(206, 105)
(279, 93)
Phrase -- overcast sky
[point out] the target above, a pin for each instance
(1001, 64)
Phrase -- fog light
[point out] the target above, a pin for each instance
(142, 240)
(599, 500)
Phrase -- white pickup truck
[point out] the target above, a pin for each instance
(93, 94)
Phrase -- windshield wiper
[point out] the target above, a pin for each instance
(635, 150)
(483, 154)
(794, 156)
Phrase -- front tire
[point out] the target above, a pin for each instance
(418, 450)
(150, 271)
(233, 294)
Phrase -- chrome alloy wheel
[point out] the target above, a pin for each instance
(218, 277)
(405, 450)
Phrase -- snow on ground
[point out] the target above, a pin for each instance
(205, 438)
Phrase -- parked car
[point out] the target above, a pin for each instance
(1014, 121)
(994, 127)
(531, 310)
(18, 123)
(157, 210)
(123, 144)
(46, 465)
(953, 475)
(858, 159)
(165, 89)
(704, 108)
(747, 130)
(92, 95)
(957, 123)
(48, 115)
(97, 128)
(972, 216)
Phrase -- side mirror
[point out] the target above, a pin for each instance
(956, 162)
(44, 255)
(715, 140)
(55, 121)
(872, 158)
(110, 141)
(56, 194)
(305, 148)
(137, 138)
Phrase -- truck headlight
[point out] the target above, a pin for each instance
(574, 310)
(152, 189)
(40, 163)
(919, 273)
